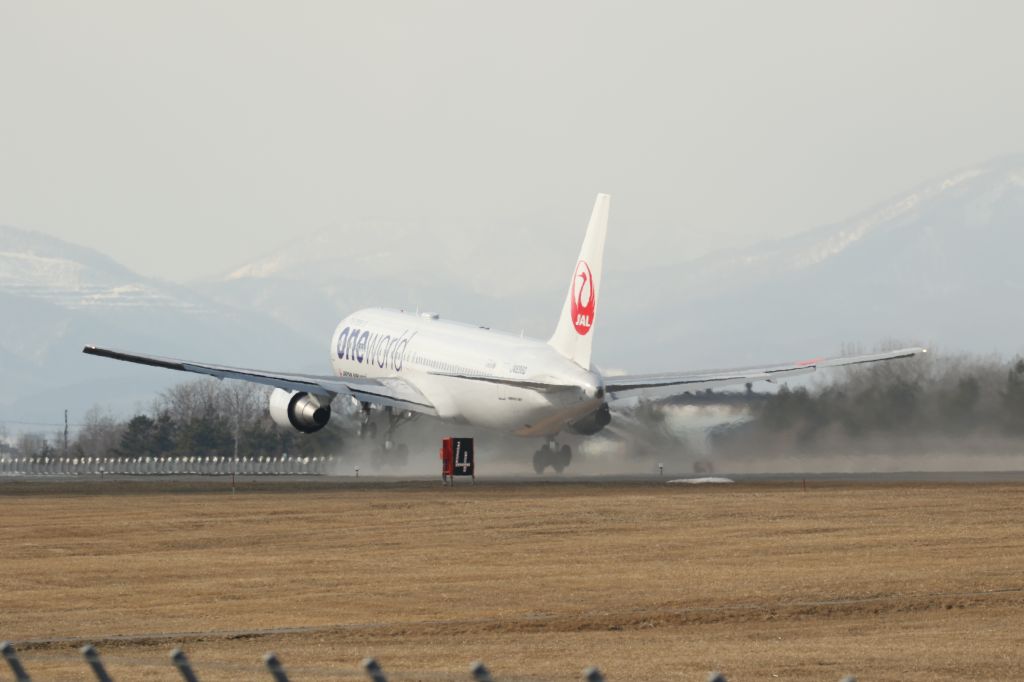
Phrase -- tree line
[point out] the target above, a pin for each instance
(201, 418)
(957, 398)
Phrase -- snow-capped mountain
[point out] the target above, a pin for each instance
(55, 297)
(39, 267)
(316, 279)
(939, 265)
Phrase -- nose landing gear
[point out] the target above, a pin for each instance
(551, 455)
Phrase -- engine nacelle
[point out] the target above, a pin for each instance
(301, 411)
(593, 422)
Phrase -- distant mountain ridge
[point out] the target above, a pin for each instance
(55, 297)
(939, 264)
(42, 267)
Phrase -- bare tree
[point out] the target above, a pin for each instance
(190, 401)
(243, 402)
(31, 444)
(100, 434)
(233, 401)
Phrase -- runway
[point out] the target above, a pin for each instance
(301, 482)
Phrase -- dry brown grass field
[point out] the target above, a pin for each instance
(648, 581)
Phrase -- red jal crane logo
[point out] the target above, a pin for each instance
(583, 299)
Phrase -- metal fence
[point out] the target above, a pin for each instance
(371, 669)
(282, 465)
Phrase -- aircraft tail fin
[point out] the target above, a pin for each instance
(574, 334)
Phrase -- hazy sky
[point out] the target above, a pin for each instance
(184, 138)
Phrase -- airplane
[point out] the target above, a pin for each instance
(410, 364)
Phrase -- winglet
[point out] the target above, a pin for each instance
(574, 334)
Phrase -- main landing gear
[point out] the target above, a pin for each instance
(389, 452)
(550, 455)
(368, 427)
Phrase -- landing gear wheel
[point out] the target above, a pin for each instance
(366, 425)
(540, 460)
(561, 459)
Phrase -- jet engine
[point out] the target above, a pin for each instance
(593, 422)
(302, 411)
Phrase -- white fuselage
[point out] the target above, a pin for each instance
(459, 369)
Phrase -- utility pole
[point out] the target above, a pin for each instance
(65, 434)
(234, 463)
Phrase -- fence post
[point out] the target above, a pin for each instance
(273, 664)
(92, 657)
(181, 662)
(481, 673)
(593, 675)
(12, 660)
(373, 669)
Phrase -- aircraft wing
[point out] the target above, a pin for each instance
(662, 385)
(390, 392)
